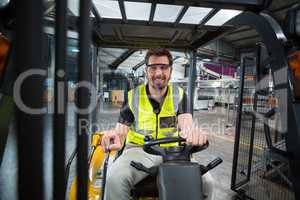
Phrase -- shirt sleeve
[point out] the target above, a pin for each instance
(183, 105)
(126, 116)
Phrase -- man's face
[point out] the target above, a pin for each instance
(158, 72)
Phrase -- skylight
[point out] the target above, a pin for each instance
(73, 6)
(194, 15)
(137, 10)
(166, 13)
(222, 17)
(108, 9)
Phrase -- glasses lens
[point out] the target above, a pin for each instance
(162, 67)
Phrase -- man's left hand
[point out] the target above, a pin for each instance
(195, 136)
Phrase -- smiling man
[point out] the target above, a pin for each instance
(157, 109)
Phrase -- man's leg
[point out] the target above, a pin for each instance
(208, 185)
(121, 176)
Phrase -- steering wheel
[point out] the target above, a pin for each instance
(181, 152)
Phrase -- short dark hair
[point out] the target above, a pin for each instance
(159, 52)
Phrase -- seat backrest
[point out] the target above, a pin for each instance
(177, 181)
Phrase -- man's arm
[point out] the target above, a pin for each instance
(188, 130)
(114, 139)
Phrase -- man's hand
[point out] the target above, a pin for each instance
(111, 141)
(114, 139)
(194, 136)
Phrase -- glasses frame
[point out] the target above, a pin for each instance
(154, 67)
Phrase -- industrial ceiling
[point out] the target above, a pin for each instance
(137, 24)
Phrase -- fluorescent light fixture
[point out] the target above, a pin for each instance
(182, 61)
(166, 13)
(74, 50)
(222, 17)
(206, 60)
(137, 10)
(108, 9)
(194, 15)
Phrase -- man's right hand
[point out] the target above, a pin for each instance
(111, 141)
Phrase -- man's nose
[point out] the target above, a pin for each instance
(158, 71)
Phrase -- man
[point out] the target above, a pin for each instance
(156, 109)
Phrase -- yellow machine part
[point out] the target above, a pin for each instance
(96, 162)
(294, 62)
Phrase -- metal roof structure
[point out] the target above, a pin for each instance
(136, 24)
(173, 24)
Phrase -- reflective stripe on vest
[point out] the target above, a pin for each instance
(145, 118)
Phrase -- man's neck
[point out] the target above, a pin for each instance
(157, 94)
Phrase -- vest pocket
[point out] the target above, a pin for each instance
(167, 122)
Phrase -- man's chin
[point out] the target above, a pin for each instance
(159, 87)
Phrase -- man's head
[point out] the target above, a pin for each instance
(158, 68)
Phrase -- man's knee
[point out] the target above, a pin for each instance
(118, 178)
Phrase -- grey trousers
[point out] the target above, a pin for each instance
(121, 176)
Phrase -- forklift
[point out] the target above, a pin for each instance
(23, 48)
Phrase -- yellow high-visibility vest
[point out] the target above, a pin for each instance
(147, 122)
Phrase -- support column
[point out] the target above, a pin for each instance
(191, 80)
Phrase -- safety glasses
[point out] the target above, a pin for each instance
(154, 67)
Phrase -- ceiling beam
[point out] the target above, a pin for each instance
(284, 7)
(222, 4)
(207, 38)
(95, 12)
(118, 33)
(201, 24)
(175, 36)
(49, 7)
(180, 16)
(98, 19)
(108, 53)
(239, 31)
(70, 12)
(103, 61)
(121, 58)
(111, 22)
(98, 34)
(152, 12)
(207, 17)
(134, 68)
(244, 38)
(122, 9)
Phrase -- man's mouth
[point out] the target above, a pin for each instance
(158, 80)
(158, 83)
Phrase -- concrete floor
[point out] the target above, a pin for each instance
(221, 145)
